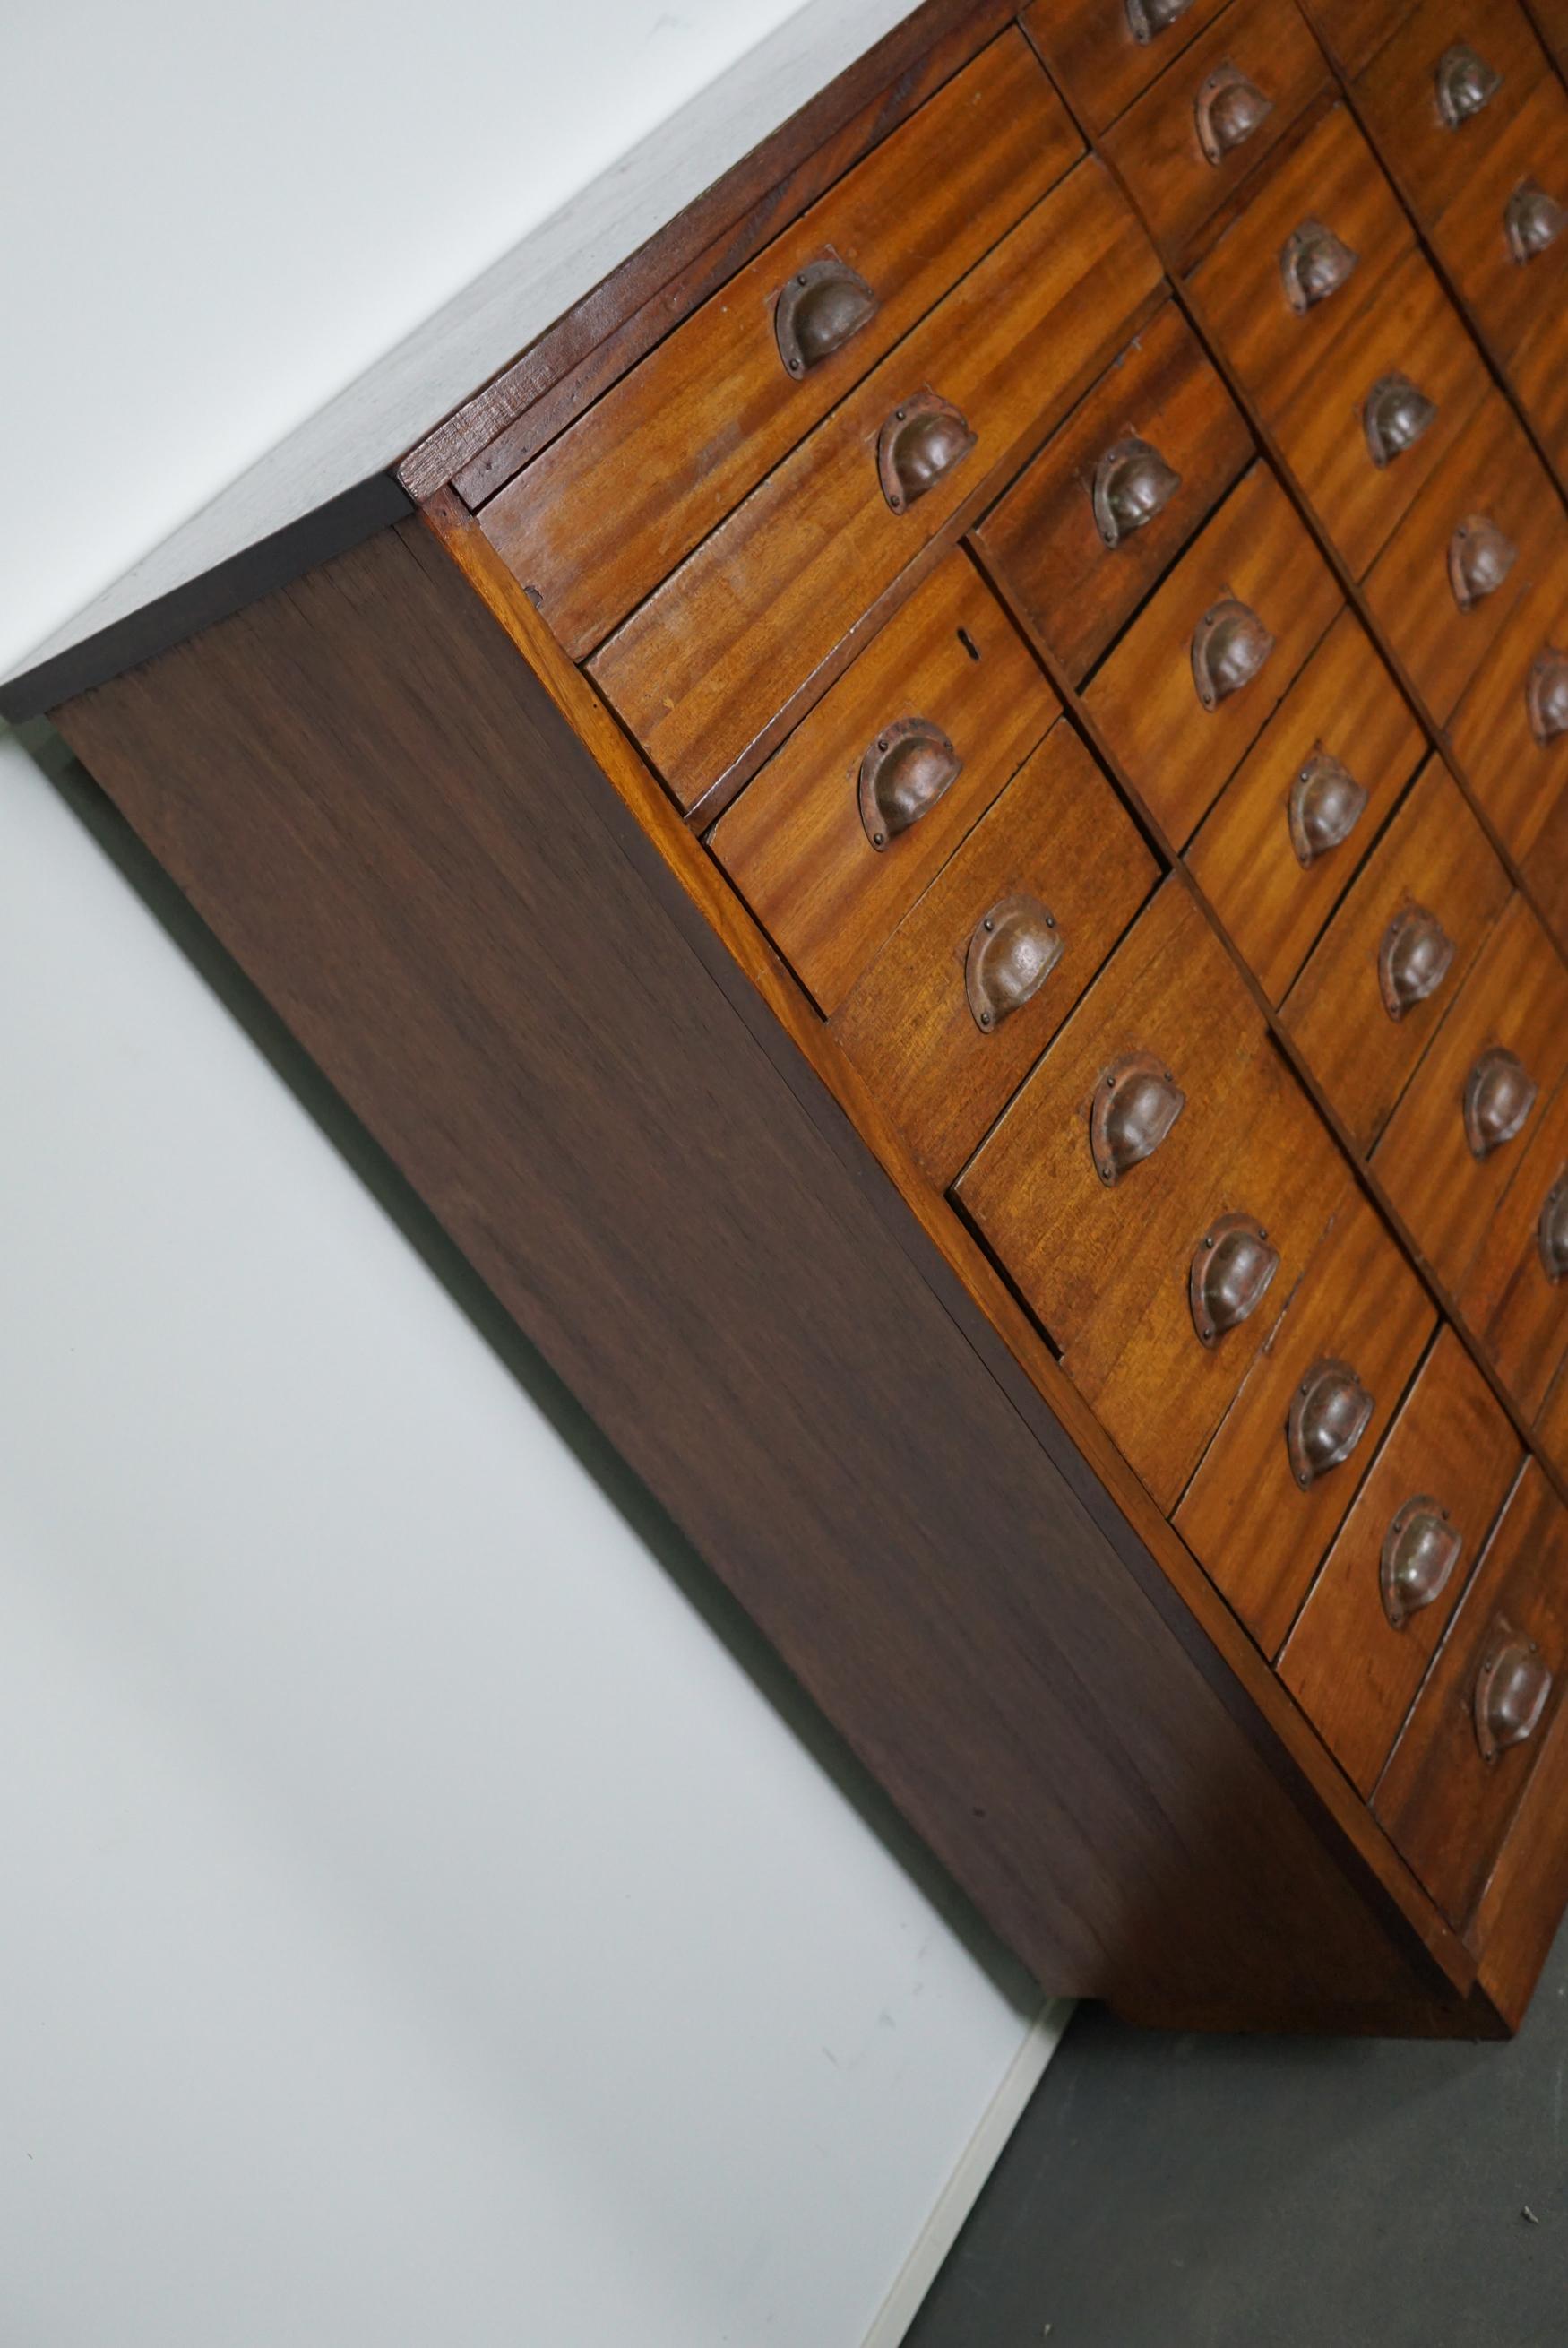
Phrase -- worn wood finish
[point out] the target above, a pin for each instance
(1058, 833)
(1352, 31)
(1431, 163)
(1518, 1316)
(1434, 854)
(1091, 52)
(612, 506)
(1515, 779)
(1041, 541)
(793, 843)
(717, 655)
(1174, 753)
(1260, 1535)
(1272, 906)
(1507, 298)
(1352, 1670)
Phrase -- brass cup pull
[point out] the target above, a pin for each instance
(822, 306)
(1533, 221)
(1513, 1687)
(1314, 264)
(1326, 805)
(1480, 559)
(1330, 1413)
(1546, 696)
(1232, 1267)
(1012, 951)
(1227, 109)
(920, 443)
(1465, 84)
(1551, 1230)
(1394, 415)
(1136, 1102)
(1499, 1095)
(1133, 483)
(903, 774)
(1421, 1549)
(1146, 19)
(1413, 960)
(1230, 644)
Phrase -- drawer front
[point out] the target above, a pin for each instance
(1102, 53)
(1464, 1098)
(1407, 327)
(1257, 1528)
(1285, 837)
(1237, 620)
(1063, 557)
(1214, 115)
(798, 845)
(1432, 866)
(607, 511)
(1514, 1300)
(1449, 1794)
(1509, 733)
(953, 1014)
(1352, 31)
(1508, 285)
(1490, 482)
(1432, 118)
(709, 671)
(1393, 1578)
(1108, 1266)
(1331, 182)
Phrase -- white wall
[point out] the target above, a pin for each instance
(418, 1927)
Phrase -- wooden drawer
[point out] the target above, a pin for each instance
(1433, 859)
(1393, 1578)
(1491, 477)
(1515, 1001)
(951, 1016)
(1432, 156)
(1540, 383)
(1507, 296)
(1174, 751)
(796, 844)
(1516, 769)
(709, 672)
(1343, 707)
(1043, 544)
(1102, 53)
(609, 509)
(1106, 1266)
(1405, 326)
(1256, 1527)
(1515, 1309)
(1446, 1804)
(1333, 180)
(1352, 31)
(1246, 79)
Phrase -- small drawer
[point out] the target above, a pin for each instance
(1459, 1770)
(1410, 925)
(1283, 842)
(981, 972)
(1116, 1268)
(958, 703)
(1454, 1142)
(1503, 239)
(1196, 676)
(1514, 1299)
(1405, 365)
(1322, 231)
(1438, 94)
(1393, 1578)
(712, 670)
(1259, 1514)
(1353, 30)
(1072, 566)
(611, 507)
(1509, 733)
(1444, 585)
(1102, 53)
(1214, 115)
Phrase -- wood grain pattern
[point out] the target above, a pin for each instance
(1352, 30)
(1351, 1669)
(793, 843)
(1041, 543)
(612, 507)
(1260, 1536)
(1091, 52)
(1505, 297)
(1518, 1318)
(1515, 780)
(714, 658)
(1174, 753)
(1395, 97)
(1059, 833)
(1344, 702)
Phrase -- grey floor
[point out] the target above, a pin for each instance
(1176, 2192)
